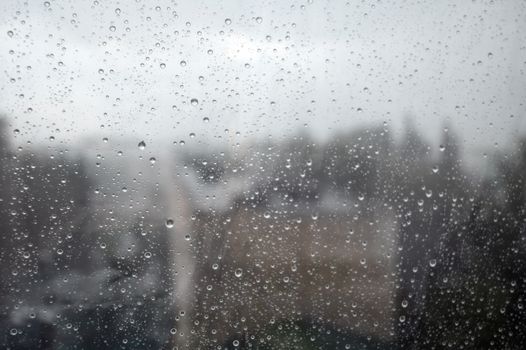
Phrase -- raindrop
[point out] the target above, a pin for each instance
(433, 262)
(142, 145)
(169, 223)
(238, 273)
(228, 21)
(194, 102)
(259, 19)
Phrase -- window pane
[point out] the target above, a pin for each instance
(263, 175)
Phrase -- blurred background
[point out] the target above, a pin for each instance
(263, 175)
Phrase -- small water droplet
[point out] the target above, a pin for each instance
(194, 102)
(238, 273)
(433, 262)
(169, 223)
(142, 145)
(228, 21)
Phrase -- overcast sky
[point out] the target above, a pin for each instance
(113, 68)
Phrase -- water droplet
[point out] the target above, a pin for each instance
(10, 33)
(238, 273)
(173, 331)
(162, 65)
(259, 19)
(215, 266)
(228, 21)
(169, 223)
(194, 102)
(142, 145)
(183, 63)
(13, 331)
(405, 303)
(113, 28)
(152, 160)
(147, 255)
(433, 262)
(206, 119)
(235, 342)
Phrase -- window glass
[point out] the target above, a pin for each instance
(271, 174)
